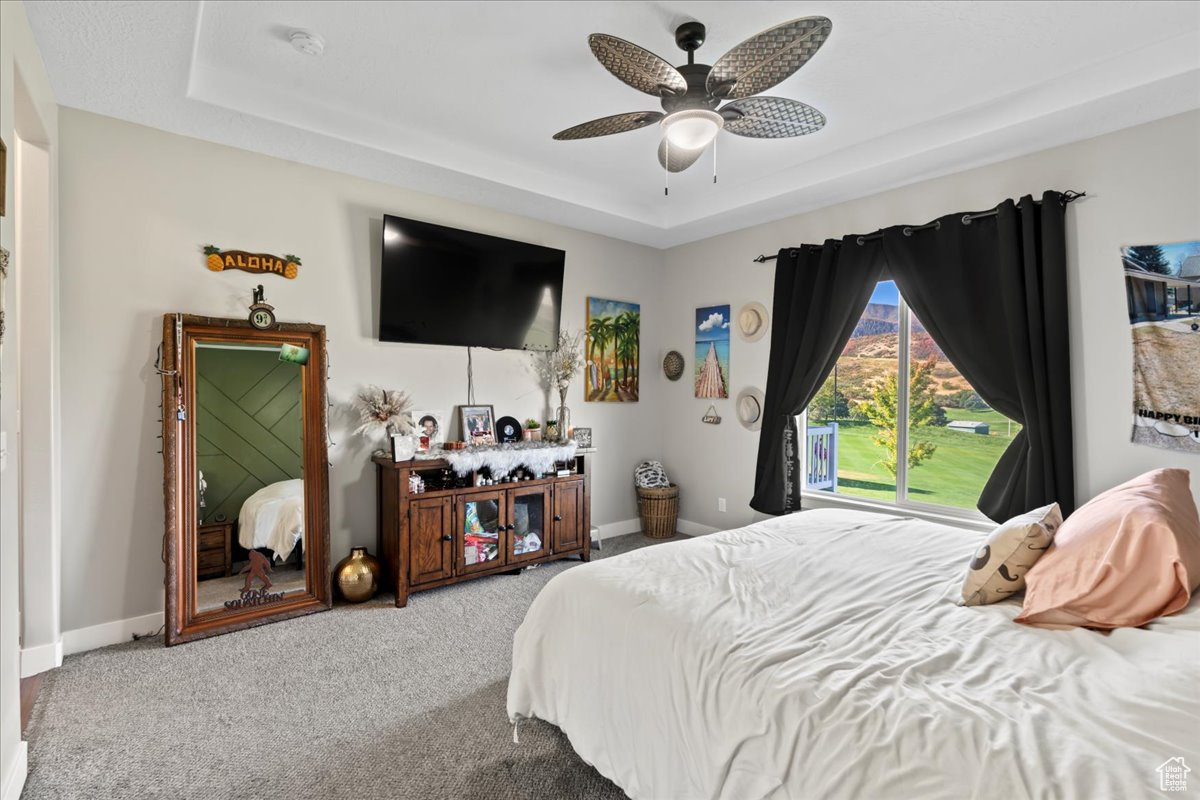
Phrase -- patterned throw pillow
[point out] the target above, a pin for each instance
(650, 475)
(998, 569)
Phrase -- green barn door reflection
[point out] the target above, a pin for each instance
(249, 457)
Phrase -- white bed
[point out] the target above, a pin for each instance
(274, 517)
(823, 655)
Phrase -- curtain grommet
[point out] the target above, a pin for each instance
(966, 220)
(907, 231)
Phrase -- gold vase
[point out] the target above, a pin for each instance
(357, 575)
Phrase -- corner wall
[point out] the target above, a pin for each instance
(22, 75)
(1143, 186)
(137, 206)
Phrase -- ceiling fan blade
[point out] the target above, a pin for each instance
(605, 126)
(764, 60)
(637, 67)
(771, 118)
(680, 159)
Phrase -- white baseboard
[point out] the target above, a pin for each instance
(122, 630)
(14, 781)
(635, 526)
(43, 658)
(611, 529)
(104, 634)
(694, 528)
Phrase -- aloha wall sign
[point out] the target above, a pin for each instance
(219, 260)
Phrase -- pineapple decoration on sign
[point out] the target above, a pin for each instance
(219, 260)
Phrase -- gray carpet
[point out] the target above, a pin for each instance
(367, 701)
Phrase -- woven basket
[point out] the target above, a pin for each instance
(659, 510)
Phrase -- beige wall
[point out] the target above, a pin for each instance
(138, 204)
(27, 107)
(1143, 186)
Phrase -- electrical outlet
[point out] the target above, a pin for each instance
(721, 504)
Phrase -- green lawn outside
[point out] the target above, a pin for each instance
(953, 476)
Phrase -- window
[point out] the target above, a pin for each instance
(863, 415)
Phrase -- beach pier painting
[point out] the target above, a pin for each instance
(712, 352)
(612, 350)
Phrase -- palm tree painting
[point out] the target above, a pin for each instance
(613, 347)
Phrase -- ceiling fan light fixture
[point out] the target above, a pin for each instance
(693, 128)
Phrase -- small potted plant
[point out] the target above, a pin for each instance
(533, 431)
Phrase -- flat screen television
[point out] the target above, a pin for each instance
(447, 286)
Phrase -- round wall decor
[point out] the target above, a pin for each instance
(508, 430)
(752, 321)
(750, 408)
(673, 365)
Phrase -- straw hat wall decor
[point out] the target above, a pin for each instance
(752, 321)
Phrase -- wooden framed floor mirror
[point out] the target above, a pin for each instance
(245, 474)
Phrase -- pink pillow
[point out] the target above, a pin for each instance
(1130, 555)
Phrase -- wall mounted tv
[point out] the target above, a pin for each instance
(446, 286)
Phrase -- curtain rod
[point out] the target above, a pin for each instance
(1068, 197)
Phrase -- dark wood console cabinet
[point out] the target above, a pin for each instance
(444, 536)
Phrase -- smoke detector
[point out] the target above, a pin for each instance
(311, 44)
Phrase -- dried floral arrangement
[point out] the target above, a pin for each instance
(559, 367)
(387, 410)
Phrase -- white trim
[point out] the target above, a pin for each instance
(973, 522)
(903, 379)
(42, 658)
(610, 529)
(690, 528)
(106, 633)
(14, 781)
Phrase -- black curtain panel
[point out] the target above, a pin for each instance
(820, 293)
(993, 295)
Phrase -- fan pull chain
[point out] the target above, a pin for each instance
(666, 167)
(714, 160)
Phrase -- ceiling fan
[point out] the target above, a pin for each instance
(692, 93)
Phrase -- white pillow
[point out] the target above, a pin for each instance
(650, 475)
(997, 571)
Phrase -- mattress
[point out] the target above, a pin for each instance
(824, 655)
(273, 517)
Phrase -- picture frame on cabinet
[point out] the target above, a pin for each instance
(478, 424)
(430, 430)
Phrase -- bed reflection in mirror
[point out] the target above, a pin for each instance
(249, 450)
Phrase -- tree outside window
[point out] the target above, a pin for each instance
(953, 438)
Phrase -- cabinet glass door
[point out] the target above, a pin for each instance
(528, 522)
(481, 528)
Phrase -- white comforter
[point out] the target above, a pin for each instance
(273, 517)
(823, 655)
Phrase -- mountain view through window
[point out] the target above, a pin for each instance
(954, 438)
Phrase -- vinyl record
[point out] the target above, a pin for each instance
(508, 430)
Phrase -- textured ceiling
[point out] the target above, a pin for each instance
(461, 98)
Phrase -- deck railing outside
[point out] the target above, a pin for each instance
(820, 457)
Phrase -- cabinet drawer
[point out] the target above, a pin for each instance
(211, 540)
(210, 560)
